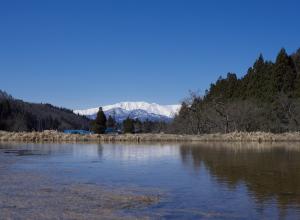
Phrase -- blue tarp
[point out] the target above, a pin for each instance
(112, 131)
(77, 132)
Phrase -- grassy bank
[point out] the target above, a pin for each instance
(54, 136)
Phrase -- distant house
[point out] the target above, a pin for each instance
(78, 132)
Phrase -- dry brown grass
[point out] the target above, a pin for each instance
(54, 136)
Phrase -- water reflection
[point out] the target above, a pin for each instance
(140, 153)
(232, 180)
(76, 151)
(268, 171)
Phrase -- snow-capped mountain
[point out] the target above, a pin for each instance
(121, 114)
(135, 110)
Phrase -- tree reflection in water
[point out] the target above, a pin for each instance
(269, 171)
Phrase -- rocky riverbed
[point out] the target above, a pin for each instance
(34, 195)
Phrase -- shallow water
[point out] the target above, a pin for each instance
(193, 181)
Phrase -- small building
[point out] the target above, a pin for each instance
(78, 132)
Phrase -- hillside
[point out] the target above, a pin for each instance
(266, 98)
(17, 115)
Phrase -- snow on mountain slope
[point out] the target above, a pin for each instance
(121, 114)
(166, 110)
(141, 110)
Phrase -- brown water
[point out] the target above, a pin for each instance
(156, 181)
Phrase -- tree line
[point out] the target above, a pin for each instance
(17, 115)
(102, 125)
(267, 99)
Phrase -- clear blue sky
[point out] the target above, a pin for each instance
(80, 54)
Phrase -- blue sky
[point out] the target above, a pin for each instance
(81, 54)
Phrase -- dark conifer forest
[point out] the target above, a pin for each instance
(17, 115)
(266, 98)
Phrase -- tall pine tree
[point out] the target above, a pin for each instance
(284, 73)
(111, 122)
(128, 125)
(296, 59)
(99, 125)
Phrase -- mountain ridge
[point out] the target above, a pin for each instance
(135, 110)
(19, 115)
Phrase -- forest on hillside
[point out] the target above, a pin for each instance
(266, 99)
(17, 115)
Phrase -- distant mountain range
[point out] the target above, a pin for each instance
(135, 110)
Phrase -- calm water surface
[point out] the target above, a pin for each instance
(204, 181)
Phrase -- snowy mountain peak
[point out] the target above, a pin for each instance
(165, 110)
(151, 110)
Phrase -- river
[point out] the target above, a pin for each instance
(156, 181)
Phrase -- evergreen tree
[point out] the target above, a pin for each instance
(256, 83)
(99, 125)
(5, 109)
(296, 59)
(137, 126)
(128, 125)
(225, 88)
(111, 122)
(284, 73)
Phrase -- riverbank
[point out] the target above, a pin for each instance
(54, 136)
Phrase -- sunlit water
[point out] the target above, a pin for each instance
(209, 181)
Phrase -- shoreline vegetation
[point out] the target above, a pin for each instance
(55, 136)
